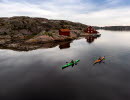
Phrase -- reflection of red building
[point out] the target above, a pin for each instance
(90, 30)
(65, 32)
(90, 38)
(64, 45)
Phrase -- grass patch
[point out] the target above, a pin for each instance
(48, 34)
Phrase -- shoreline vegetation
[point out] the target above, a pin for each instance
(26, 33)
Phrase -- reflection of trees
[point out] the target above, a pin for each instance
(91, 38)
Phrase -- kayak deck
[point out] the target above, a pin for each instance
(98, 61)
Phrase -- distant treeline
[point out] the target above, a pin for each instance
(115, 28)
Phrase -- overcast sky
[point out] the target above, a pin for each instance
(90, 12)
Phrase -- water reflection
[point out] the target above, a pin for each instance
(64, 45)
(26, 47)
(38, 75)
(90, 38)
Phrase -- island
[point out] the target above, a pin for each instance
(29, 33)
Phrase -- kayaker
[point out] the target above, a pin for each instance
(104, 58)
(99, 58)
(72, 63)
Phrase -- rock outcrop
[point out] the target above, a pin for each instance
(17, 31)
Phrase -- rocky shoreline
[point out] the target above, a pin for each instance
(27, 43)
(26, 33)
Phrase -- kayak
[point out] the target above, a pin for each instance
(70, 64)
(98, 61)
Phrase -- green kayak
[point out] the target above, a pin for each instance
(69, 64)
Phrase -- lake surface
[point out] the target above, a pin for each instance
(37, 74)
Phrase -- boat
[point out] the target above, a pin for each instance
(99, 60)
(69, 64)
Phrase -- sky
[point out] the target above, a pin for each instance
(89, 12)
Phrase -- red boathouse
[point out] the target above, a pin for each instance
(90, 30)
(65, 32)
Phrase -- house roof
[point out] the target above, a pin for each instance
(64, 30)
(89, 27)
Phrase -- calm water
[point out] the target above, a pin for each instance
(37, 74)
